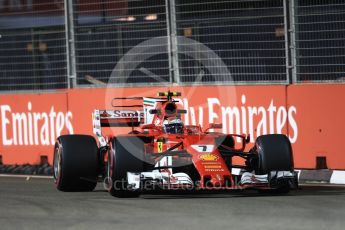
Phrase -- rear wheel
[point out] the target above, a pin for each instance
(126, 154)
(75, 163)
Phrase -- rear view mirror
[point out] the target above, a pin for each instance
(215, 126)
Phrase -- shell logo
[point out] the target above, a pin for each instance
(208, 157)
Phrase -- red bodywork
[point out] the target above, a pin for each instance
(200, 145)
(206, 159)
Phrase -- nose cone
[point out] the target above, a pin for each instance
(217, 180)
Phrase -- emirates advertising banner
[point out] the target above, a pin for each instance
(30, 123)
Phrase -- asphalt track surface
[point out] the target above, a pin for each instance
(36, 204)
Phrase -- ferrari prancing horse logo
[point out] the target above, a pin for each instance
(160, 146)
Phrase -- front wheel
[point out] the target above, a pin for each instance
(274, 153)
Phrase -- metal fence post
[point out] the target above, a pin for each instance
(287, 42)
(171, 68)
(293, 46)
(173, 40)
(70, 44)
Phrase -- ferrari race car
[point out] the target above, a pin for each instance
(161, 153)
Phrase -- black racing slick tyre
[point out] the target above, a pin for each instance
(75, 163)
(274, 153)
(126, 154)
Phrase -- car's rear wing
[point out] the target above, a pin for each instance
(119, 118)
(115, 118)
(128, 112)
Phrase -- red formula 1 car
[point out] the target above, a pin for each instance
(166, 154)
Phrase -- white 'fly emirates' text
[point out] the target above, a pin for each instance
(240, 119)
(33, 128)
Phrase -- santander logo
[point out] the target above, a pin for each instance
(33, 128)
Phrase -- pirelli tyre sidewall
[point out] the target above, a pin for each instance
(75, 163)
(274, 153)
(125, 155)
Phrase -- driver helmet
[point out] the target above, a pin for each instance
(173, 126)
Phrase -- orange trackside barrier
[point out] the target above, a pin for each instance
(321, 121)
(311, 116)
(30, 124)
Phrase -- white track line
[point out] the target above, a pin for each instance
(338, 177)
(26, 176)
(316, 184)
